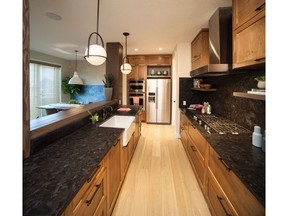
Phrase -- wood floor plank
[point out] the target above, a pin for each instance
(160, 180)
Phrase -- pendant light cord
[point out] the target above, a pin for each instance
(76, 51)
(97, 27)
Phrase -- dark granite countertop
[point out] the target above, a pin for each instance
(245, 160)
(54, 175)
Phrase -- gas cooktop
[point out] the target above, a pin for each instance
(216, 124)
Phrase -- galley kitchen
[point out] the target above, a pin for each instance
(144, 108)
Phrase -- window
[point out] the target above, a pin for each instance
(45, 87)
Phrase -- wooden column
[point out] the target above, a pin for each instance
(26, 59)
(114, 61)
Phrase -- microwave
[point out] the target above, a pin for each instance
(136, 85)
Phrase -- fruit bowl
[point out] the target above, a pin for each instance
(205, 86)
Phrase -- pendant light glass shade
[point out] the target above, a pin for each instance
(95, 53)
(126, 67)
(75, 79)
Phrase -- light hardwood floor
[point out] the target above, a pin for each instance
(160, 180)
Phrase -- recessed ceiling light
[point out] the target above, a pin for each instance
(53, 16)
(136, 49)
(160, 49)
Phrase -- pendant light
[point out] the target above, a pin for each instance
(75, 79)
(125, 67)
(95, 54)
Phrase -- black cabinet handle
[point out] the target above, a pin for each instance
(260, 7)
(88, 202)
(90, 177)
(116, 142)
(259, 59)
(220, 200)
(193, 148)
(223, 162)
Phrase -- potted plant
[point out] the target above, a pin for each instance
(69, 88)
(94, 118)
(261, 81)
(108, 86)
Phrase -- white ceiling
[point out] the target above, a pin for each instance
(151, 23)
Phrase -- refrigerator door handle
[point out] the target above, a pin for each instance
(156, 97)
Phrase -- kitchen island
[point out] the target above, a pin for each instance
(53, 176)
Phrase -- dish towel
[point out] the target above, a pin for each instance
(135, 100)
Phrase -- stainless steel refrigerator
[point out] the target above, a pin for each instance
(158, 105)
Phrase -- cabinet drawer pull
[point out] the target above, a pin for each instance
(91, 176)
(193, 148)
(220, 200)
(259, 59)
(260, 7)
(223, 162)
(88, 202)
(116, 142)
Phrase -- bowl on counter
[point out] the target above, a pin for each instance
(205, 86)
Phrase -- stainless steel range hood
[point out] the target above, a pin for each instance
(220, 45)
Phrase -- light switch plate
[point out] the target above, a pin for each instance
(184, 103)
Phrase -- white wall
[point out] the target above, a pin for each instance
(181, 68)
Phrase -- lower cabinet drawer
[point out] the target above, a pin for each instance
(197, 162)
(93, 197)
(240, 197)
(219, 203)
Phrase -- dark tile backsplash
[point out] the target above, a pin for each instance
(246, 112)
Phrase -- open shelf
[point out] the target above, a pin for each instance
(250, 96)
(203, 89)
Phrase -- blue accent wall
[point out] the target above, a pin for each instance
(90, 93)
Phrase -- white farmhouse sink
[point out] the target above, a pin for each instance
(126, 122)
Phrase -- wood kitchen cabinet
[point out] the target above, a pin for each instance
(159, 60)
(183, 130)
(113, 174)
(91, 198)
(222, 194)
(138, 72)
(197, 148)
(200, 49)
(248, 33)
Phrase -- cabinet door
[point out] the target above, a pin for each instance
(159, 60)
(113, 174)
(142, 70)
(249, 43)
(244, 10)
(133, 74)
(137, 59)
(200, 49)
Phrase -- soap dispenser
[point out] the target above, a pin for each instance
(257, 137)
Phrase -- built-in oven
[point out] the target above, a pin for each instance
(136, 86)
(137, 99)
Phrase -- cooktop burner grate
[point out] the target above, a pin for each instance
(221, 125)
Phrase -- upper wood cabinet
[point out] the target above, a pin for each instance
(200, 49)
(137, 59)
(244, 10)
(138, 72)
(248, 33)
(159, 60)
